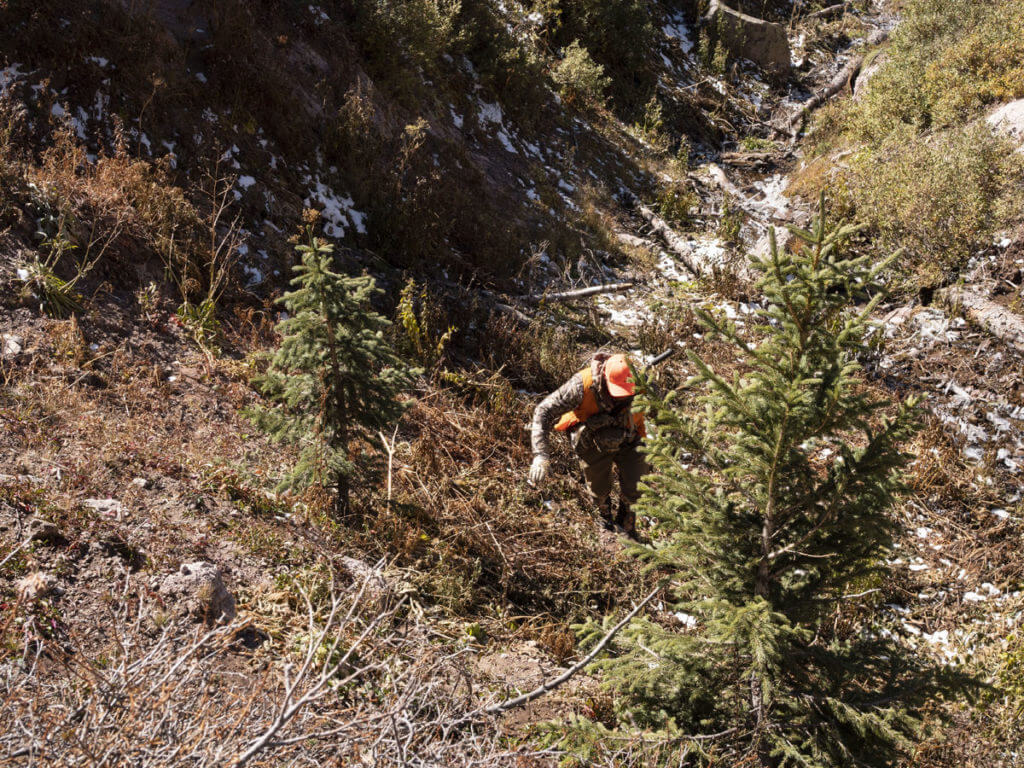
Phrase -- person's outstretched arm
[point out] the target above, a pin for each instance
(567, 397)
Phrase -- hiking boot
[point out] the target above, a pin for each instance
(605, 510)
(626, 519)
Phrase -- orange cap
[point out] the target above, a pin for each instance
(618, 377)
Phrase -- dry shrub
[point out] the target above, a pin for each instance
(474, 538)
(114, 204)
(940, 198)
(354, 678)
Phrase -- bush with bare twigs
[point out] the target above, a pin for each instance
(360, 681)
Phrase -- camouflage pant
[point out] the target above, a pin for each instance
(598, 467)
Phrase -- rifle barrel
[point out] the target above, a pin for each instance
(660, 358)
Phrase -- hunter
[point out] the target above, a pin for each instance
(595, 408)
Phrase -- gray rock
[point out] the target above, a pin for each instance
(44, 531)
(198, 589)
(1009, 119)
(12, 345)
(108, 507)
(763, 42)
(36, 585)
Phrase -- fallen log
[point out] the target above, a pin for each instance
(578, 293)
(844, 78)
(671, 238)
(520, 317)
(717, 175)
(832, 10)
(751, 159)
(1005, 325)
(697, 263)
(637, 242)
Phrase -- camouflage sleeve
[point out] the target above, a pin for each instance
(567, 397)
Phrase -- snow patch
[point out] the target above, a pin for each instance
(688, 621)
(506, 141)
(337, 211)
(678, 31)
(9, 75)
(490, 113)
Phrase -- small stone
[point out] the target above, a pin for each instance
(376, 586)
(140, 482)
(36, 585)
(12, 345)
(200, 592)
(108, 507)
(44, 531)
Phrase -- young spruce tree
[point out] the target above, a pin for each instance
(335, 377)
(772, 509)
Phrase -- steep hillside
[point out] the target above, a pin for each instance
(165, 602)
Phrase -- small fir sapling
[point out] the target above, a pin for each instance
(335, 379)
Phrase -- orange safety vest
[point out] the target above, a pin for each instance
(590, 407)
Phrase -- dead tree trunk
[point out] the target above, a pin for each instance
(698, 264)
(981, 310)
(671, 238)
(844, 78)
(579, 293)
(832, 10)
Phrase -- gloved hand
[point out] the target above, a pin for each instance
(538, 470)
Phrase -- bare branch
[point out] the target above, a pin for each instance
(549, 686)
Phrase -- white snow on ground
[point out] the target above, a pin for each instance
(319, 16)
(10, 75)
(774, 202)
(686, 620)
(358, 218)
(677, 30)
(78, 123)
(622, 312)
(246, 181)
(456, 117)
(490, 113)
(172, 156)
(338, 212)
(229, 157)
(958, 406)
(671, 269)
(506, 141)
(99, 61)
(253, 275)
